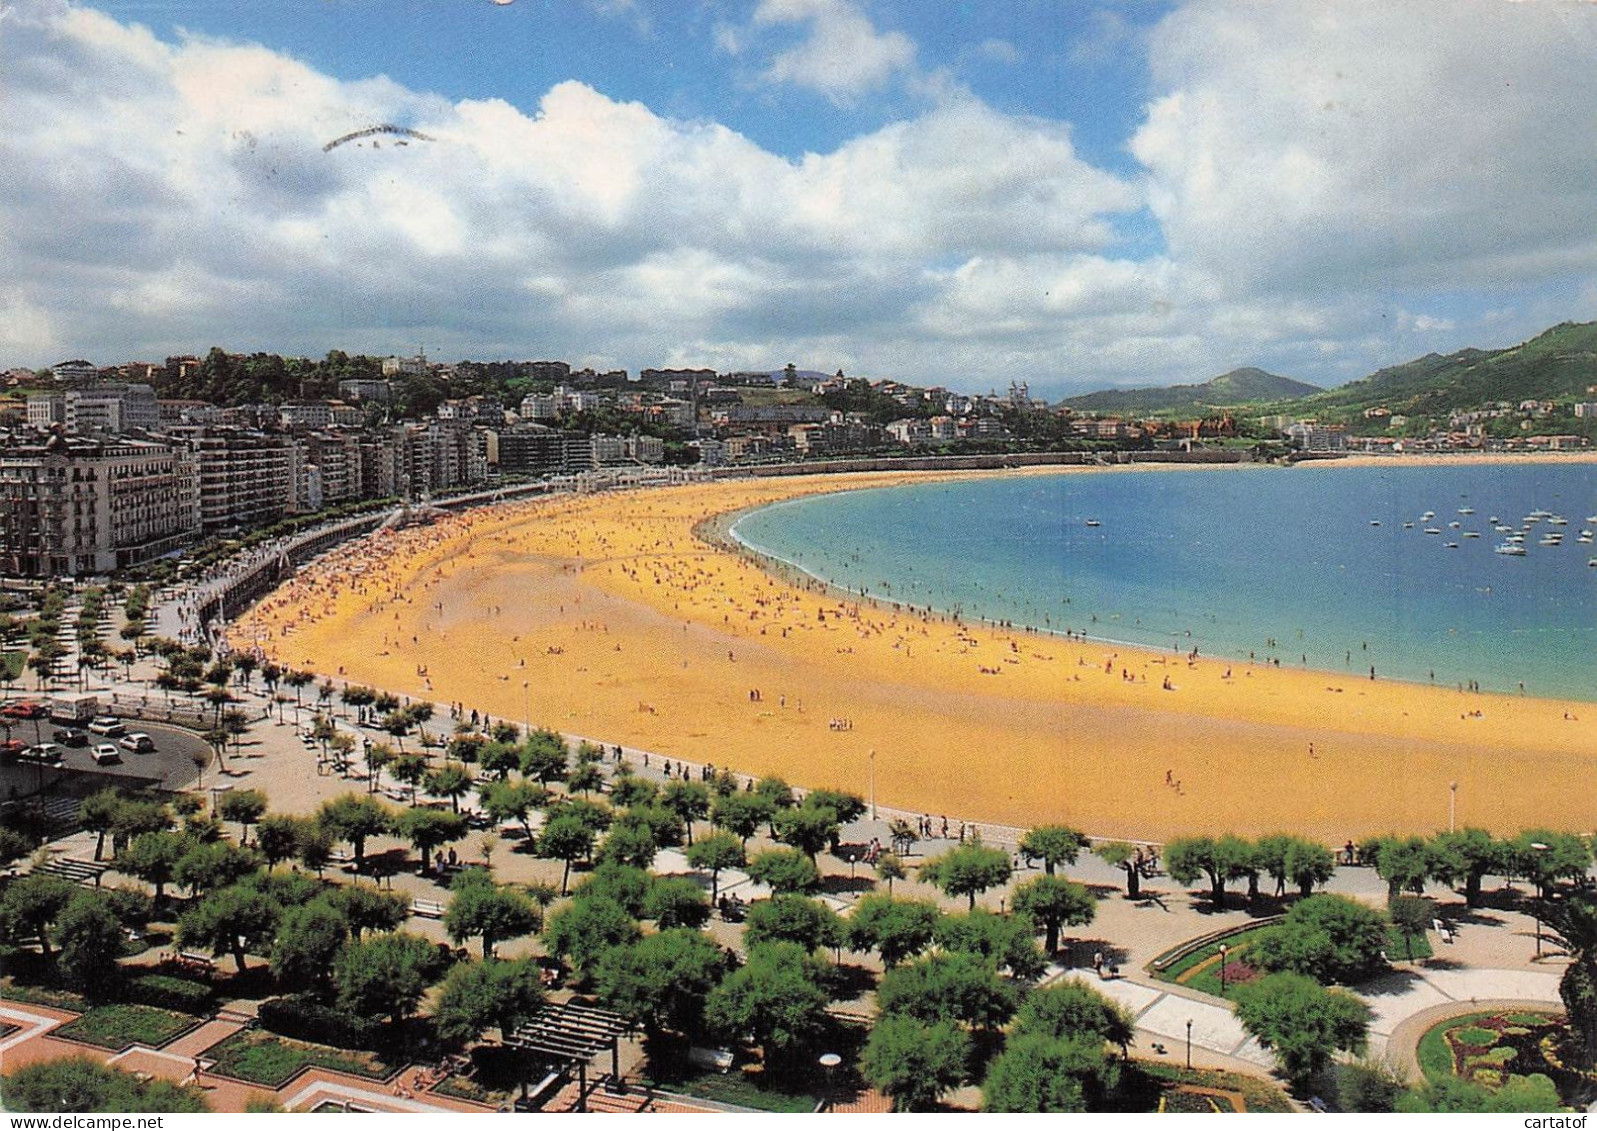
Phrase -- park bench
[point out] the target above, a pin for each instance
(193, 960)
(1444, 930)
(427, 909)
(718, 1059)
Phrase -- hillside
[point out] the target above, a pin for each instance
(1557, 363)
(1240, 386)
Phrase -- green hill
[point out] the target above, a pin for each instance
(1560, 363)
(1240, 386)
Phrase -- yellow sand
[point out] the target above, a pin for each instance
(605, 616)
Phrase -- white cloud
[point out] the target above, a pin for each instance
(998, 51)
(843, 55)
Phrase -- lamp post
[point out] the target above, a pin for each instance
(1452, 803)
(829, 1062)
(873, 785)
(1189, 1044)
(1223, 949)
(1540, 849)
(526, 705)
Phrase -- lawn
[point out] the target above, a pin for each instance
(744, 1090)
(269, 1060)
(12, 990)
(1155, 1085)
(118, 1026)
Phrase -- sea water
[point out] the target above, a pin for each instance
(1261, 563)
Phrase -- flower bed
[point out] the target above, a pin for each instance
(263, 1058)
(1488, 1048)
(122, 1026)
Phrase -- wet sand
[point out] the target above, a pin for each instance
(606, 616)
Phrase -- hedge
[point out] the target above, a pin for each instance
(307, 1020)
(170, 993)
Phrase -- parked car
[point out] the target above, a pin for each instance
(108, 726)
(11, 749)
(25, 709)
(47, 752)
(105, 753)
(72, 736)
(139, 743)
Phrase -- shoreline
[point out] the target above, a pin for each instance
(646, 601)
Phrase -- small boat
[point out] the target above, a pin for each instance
(1427, 516)
(1472, 533)
(1510, 550)
(1454, 525)
(1558, 520)
(1592, 518)
(1501, 529)
(1375, 522)
(1516, 539)
(1494, 520)
(1432, 530)
(1466, 510)
(1408, 526)
(1550, 541)
(1592, 562)
(1452, 545)
(1093, 522)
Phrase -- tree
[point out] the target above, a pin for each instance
(889, 868)
(1119, 854)
(1368, 1086)
(427, 829)
(367, 909)
(383, 976)
(1186, 858)
(785, 871)
(913, 1063)
(1053, 845)
(355, 818)
(741, 814)
(90, 935)
(793, 919)
(152, 857)
(1290, 858)
(378, 755)
(307, 944)
(451, 781)
(206, 867)
(775, 1001)
(1303, 1023)
(805, 828)
(1574, 925)
(585, 778)
(234, 920)
(584, 930)
(409, 769)
(1329, 938)
(81, 1084)
(714, 853)
(277, 837)
(1070, 1009)
(495, 913)
(689, 800)
(1404, 863)
(622, 883)
(97, 814)
(477, 995)
(1412, 916)
(676, 901)
(661, 981)
(845, 806)
(544, 757)
(968, 870)
(895, 929)
(1054, 903)
(629, 842)
(134, 818)
(514, 801)
(567, 839)
(947, 987)
(1544, 857)
(1037, 1073)
(499, 759)
(1466, 856)
(1004, 941)
(1453, 1094)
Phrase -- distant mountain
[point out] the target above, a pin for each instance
(1560, 362)
(1240, 386)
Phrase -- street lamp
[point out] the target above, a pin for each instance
(1539, 848)
(1223, 949)
(829, 1062)
(526, 704)
(1189, 1044)
(1452, 803)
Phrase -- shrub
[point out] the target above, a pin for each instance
(166, 992)
(307, 1020)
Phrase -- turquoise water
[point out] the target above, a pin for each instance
(1280, 563)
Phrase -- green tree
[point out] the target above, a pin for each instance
(741, 814)
(97, 814)
(1037, 1073)
(1053, 903)
(1452, 1094)
(1303, 1023)
(478, 995)
(514, 801)
(245, 807)
(452, 781)
(206, 867)
(383, 976)
(913, 1063)
(1120, 854)
(1070, 1009)
(1403, 862)
(307, 943)
(482, 908)
(629, 842)
(356, 819)
(622, 883)
(90, 935)
(543, 757)
(889, 868)
(1412, 916)
(689, 800)
(661, 981)
(428, 829)
(794, 919)
(234, 920)
(896, 929)
(152, 857)
(1187, 858)
(566, 839)
(714, 853)
(1053, 845)
(582, 931)
(585, 779)
(1574, 925)
(81, 1084)
(410, 769)
(775, 1001)
(805, 828)
(785, 871)
(367, 909)
(1544, 857)
(1466, 856)
(968, 871)
(1329, 938)
(1004, 941)
(1296, 860)
(947, 987)
(1368, 1086)
(277, 837)
(676, 901)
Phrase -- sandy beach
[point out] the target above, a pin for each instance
(604, 615)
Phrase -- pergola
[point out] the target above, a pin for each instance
(568, 1033)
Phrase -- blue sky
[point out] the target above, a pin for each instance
(1074, 194)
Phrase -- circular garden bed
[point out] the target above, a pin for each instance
(1487, 1048)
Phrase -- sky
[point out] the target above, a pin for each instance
(1063, 192)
